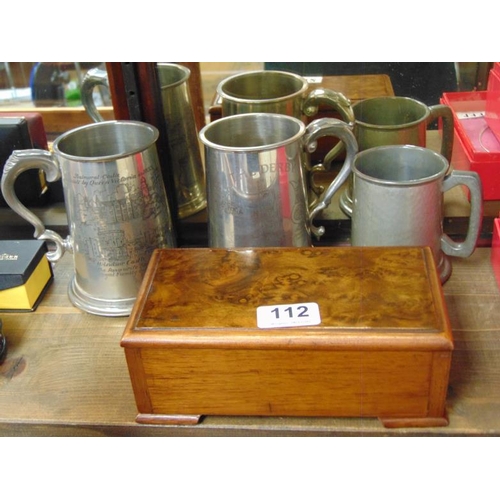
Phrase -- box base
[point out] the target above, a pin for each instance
(389, 423)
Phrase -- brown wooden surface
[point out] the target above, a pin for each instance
(66, 374)
(59, 120)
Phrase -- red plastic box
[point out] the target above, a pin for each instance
(495, 250)
(475, 146)
(493, 100)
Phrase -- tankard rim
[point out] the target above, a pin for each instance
(368, 125)
(143, 146)
(224, 94)
(391, 151)
(291, 138)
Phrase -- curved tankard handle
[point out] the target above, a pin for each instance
(446, 114)
(18, 162)
(473, 182)
(93, 78)
(336, 128)
(338, 102)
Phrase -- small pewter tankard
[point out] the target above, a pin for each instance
(398, 201)
(395, 120)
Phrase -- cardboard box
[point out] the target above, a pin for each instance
(196, 343)
(25, 274)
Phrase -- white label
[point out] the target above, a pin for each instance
(314, 79)
(284, 315)
(465, 115)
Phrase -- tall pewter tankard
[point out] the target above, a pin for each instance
(184, 148)
(398, 201)
(116, 206)
(255, 178)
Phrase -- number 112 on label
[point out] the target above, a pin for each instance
(279, 316)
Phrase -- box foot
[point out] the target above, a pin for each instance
(395, 423)
(149, 418)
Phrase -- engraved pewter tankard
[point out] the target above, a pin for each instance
(256, 185)
(116, 206)
(182, 137)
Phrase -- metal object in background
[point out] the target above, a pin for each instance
(387, 121)
(116, 206)
(255, 178)
(187, 165)
(189, 174)
(398, 201)
(284, 93)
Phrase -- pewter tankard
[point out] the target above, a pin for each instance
(398, 201)
(256, 178)
(185, 154)
(389, 120)
(270, 91)
(116, 207)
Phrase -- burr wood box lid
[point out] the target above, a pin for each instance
(289, 332)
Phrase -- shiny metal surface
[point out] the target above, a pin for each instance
(398, 201)
(93, 78)
(189, 173)
(268, 91)
(184, 149)
(256, 173)
(263, 92)
(116, 206)
(385, 121)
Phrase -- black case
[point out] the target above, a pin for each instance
(30, 186)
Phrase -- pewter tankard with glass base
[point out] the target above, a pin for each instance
(116, 207)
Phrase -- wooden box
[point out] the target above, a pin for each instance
(382, 348)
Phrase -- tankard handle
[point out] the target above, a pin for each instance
(93, 78)
(338, 102)
(18, 162)
(446, 114)
(473, 182)
(336, 128)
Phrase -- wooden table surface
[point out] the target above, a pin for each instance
(65, 372)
